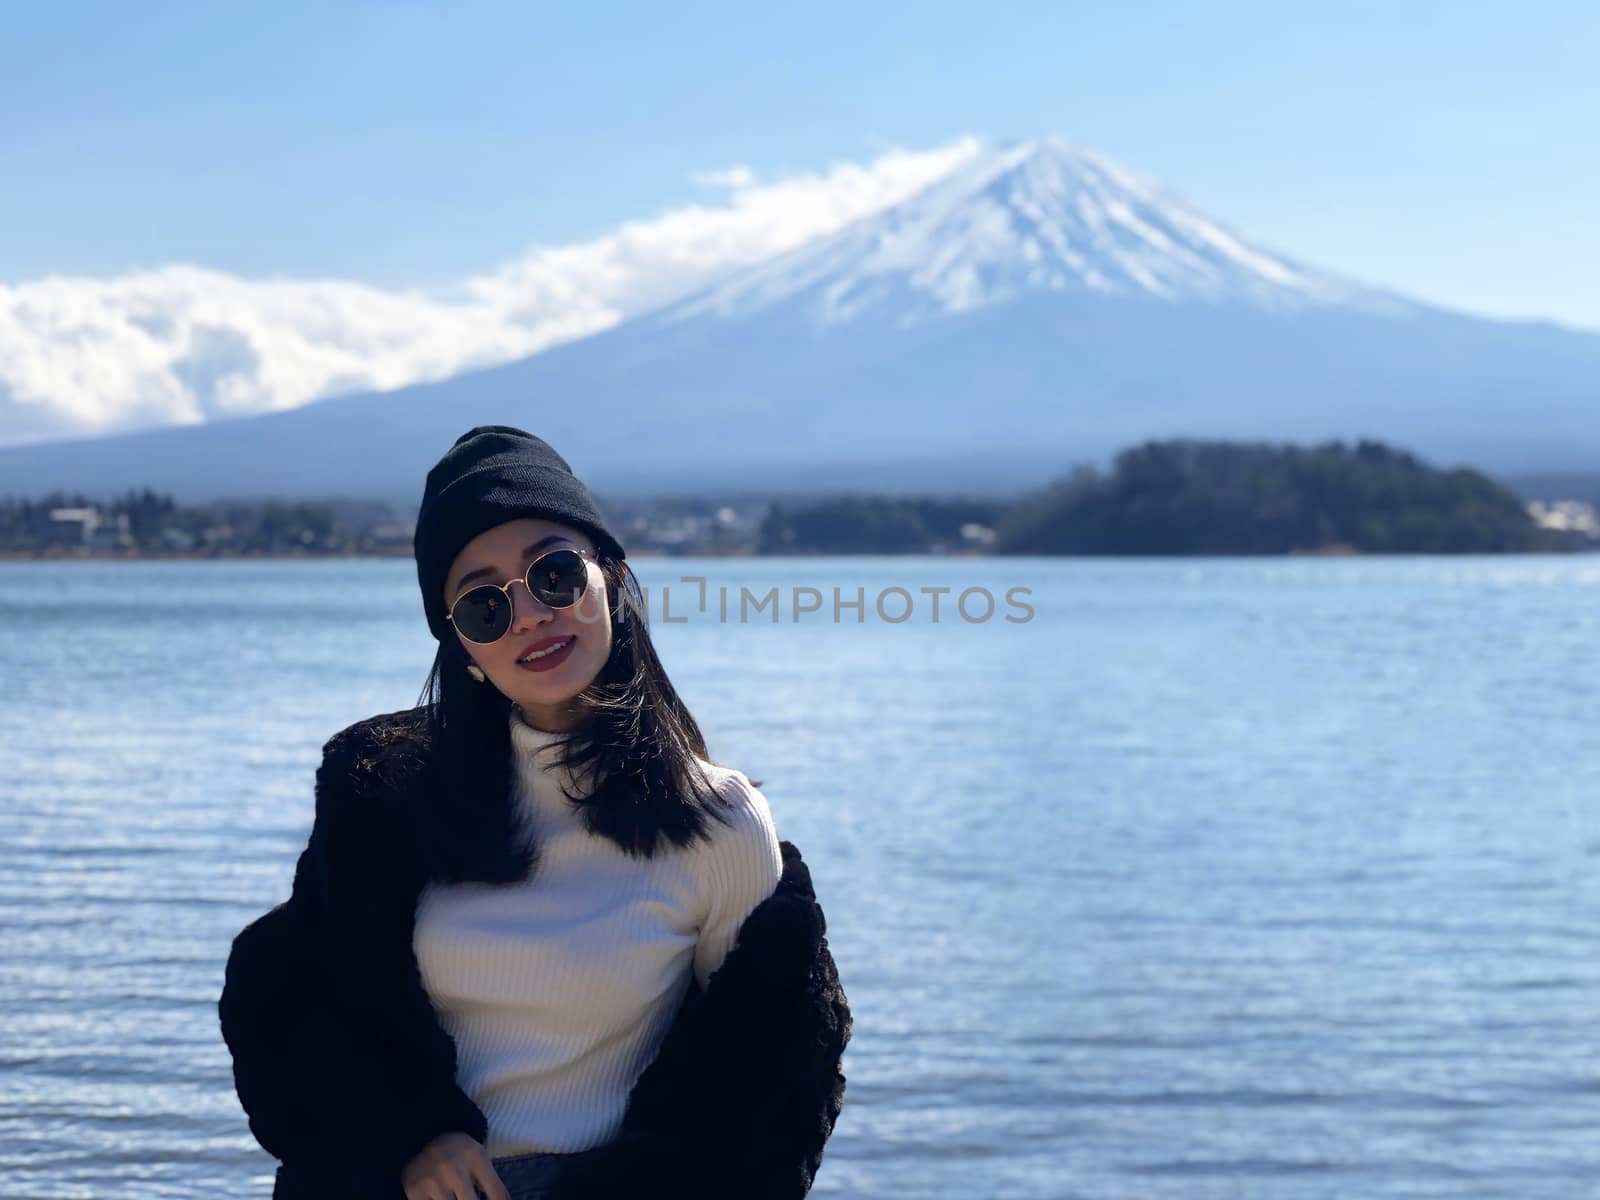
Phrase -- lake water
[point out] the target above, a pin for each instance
(1216, 878)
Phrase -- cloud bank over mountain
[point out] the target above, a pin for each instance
(181, 344)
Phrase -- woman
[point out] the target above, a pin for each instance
(539, 946)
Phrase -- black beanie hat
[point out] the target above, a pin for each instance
(494, 474)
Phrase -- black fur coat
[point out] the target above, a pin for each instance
(345, 1072)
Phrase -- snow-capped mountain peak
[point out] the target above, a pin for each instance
(1039, 216)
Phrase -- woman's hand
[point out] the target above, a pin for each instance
(454, 1166)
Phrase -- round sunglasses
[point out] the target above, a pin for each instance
(557, 579)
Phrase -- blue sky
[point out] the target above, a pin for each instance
(1446, 150)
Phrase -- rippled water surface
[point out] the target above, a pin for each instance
(1224, 879)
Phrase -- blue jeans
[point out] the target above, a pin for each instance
(526, 1175)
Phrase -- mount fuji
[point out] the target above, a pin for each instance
(1036, 307)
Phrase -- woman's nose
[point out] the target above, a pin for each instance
(527, 610)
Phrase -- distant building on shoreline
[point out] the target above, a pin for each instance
(87, 528)
(1566, 516)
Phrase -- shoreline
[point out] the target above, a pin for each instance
(1335, 551)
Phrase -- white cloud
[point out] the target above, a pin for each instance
(727, 177)
(184, 344)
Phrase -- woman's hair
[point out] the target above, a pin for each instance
(636, 741)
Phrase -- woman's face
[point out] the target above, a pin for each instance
(541, 687)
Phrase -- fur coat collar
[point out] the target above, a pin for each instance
(345, 1071)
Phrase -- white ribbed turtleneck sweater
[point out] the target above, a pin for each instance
(559, 990)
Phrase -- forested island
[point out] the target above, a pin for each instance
(1212, 497)
(1177, 496)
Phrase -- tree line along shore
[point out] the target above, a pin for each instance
(1168, 497)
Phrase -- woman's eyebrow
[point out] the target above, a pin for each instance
(491, 572)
